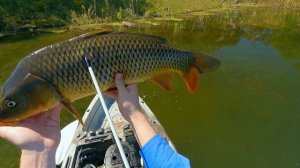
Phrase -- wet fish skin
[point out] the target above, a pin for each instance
(62, 72)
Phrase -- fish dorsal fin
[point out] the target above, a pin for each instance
(191, 79)
(164, 81)
(106, 31)
(144, 36)
(93, 33)
(72, 110)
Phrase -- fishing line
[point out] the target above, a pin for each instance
(118, 142)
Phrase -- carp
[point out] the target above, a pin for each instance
(58, 74)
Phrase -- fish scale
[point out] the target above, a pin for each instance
(61, 71)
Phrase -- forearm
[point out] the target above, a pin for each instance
(129, 106)
(38, 159)
(143, 129)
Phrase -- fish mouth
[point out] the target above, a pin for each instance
(8, 121)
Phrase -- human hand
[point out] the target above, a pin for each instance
(35, 133)
(128, 102)
(38, 137)
(126, 97)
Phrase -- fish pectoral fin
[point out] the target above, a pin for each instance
(191, 79)
(164, 81)
(72, 110)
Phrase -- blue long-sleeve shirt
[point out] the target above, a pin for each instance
(157, 153)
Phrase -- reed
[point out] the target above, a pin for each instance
(49, 14)
(278, 3)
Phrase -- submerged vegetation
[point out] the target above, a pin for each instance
(29, 15)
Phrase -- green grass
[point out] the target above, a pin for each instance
(171, 7)
(278, 3)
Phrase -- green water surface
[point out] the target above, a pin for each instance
(244, 115)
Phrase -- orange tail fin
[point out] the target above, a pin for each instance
(202, 64)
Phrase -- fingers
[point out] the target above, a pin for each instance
(132, 88)
(56, 112)
(53, 116)
(120, 83)
(122, 88)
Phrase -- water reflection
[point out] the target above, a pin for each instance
(278, 28)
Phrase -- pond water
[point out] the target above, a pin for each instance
(245, 114)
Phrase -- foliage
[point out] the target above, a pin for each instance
(16, 14)
(171, 7)
(33, 12)
(289, 3)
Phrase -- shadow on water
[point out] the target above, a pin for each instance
(246, 114)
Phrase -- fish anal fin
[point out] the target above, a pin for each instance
(72, 110)
(164, 81)
(191, 79)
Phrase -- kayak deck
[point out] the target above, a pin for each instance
(96, 140)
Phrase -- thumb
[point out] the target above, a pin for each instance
(7, 132)
(120, 82)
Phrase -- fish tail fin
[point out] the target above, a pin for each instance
(202, 64)
(206, 63)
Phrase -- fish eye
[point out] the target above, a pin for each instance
(10, 103)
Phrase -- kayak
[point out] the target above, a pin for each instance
(93, 144)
